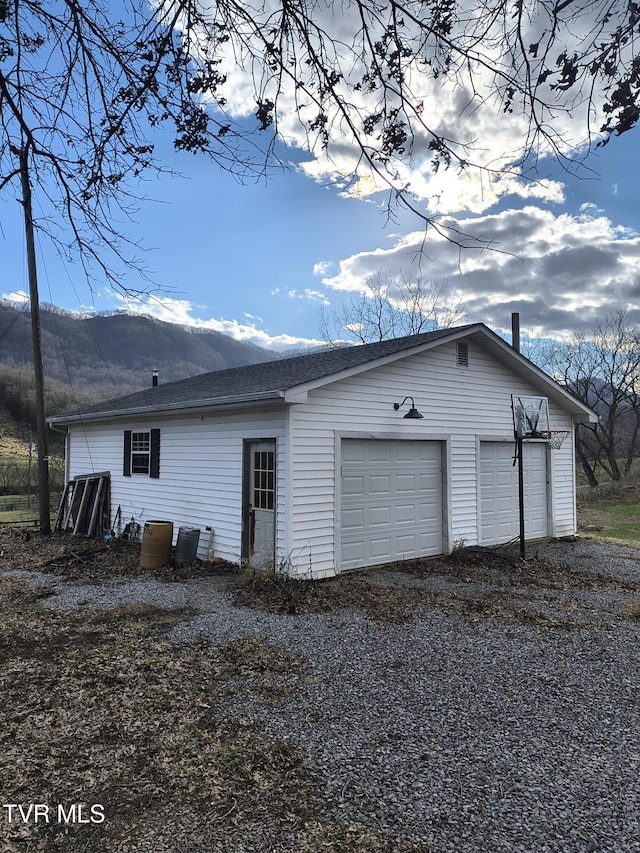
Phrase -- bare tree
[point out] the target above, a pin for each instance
(78, 93)
(602, 367)
(391, 307)
(82, 91)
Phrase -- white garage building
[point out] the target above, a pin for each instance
(307, 460)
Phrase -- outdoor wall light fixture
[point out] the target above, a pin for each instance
(413, 412)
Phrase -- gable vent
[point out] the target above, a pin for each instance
(462, 353)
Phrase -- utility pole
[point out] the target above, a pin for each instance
(44, 512)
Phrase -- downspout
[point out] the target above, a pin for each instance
(65, 432)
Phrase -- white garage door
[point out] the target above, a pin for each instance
(391, 504)
(499, 510)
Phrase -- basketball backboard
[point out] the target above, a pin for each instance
(530, 416)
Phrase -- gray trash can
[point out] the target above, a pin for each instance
(187, 544)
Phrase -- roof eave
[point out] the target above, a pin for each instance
(231, 401)
(575, 405)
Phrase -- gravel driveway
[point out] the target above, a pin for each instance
(512, 729)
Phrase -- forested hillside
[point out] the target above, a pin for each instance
(107, 356)
(95, 358)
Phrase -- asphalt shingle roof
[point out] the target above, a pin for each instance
(257, 380)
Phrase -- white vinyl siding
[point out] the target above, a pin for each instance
(201, 472)
(562, 476)
(458, 406)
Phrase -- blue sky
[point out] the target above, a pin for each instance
(216, 251)
(259, 260)
(253, 259)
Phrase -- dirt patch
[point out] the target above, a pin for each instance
(398, 604)
(100, 709)
(534, 573)
(86, 560)
(475, 583)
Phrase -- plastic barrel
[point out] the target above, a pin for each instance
(187, 544)
(156, 544)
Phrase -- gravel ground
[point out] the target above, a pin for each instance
(461, 732)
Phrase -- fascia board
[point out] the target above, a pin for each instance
(231, 402)
(294, 395)
(575, 405)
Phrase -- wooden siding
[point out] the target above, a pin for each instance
(459, 405)
(200, 481)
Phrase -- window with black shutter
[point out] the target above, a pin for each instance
(142, 453)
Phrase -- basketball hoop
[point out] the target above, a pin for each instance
(556, 438)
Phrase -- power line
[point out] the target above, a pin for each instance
(12, 322)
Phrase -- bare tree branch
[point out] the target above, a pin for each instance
(86, 91)
(391, 307)
(602, 368)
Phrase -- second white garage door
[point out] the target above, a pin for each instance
(499, 504)
(391, 503)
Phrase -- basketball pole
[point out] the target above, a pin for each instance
(521, 494)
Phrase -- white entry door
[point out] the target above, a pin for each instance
(262, 503)
(499, 504)
(391, 501)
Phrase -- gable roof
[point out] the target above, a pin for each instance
(271, 380)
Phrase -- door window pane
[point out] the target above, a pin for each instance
(263, 479)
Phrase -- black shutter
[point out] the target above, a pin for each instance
(126, 464)
(154, 469)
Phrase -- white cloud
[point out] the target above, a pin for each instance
(589, 209)
(17, 296)
(308, 295)
(461, 107)
(561, 272)
(322, 267)
(180, 311)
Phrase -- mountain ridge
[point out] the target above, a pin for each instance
(109, 355)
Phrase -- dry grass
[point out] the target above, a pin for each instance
(479, 586)
(10, 446)
(99, 708)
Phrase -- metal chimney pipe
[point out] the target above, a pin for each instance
(154, 377)
(515, 331)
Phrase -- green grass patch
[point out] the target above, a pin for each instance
(10, 503)
(611, 520)
(612, 510)
(626, 510)
(19, 516)
(17, 509)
